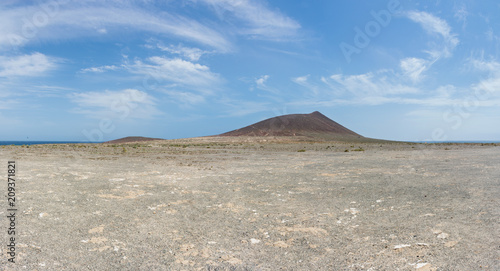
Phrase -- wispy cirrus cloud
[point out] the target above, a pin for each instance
(413, 68)
(100, 69)
(72, 20)
(436, 26)
(388, 87)
(256, 19)
(304, 81)
(190, 53)
(182, 73)
(261, 83)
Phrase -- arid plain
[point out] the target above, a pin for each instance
(255, 204)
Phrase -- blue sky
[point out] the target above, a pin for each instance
(101, 70)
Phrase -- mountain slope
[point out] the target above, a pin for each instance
(310, 125)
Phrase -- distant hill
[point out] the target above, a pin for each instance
(131, 139)
(313, 125)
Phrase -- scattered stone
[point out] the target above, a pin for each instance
(254, 241)
(422, 244)
(99, 229)
(443, 235)
(401, 246)
(424, 267)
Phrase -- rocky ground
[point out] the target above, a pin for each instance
(247, 204)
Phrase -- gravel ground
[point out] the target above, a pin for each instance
(209, 204)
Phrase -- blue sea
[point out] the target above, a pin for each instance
(40, 142)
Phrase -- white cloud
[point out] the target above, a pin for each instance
(181, 72)
(100, 69)
(484, 65)
(413, 67)
(128, 103)
(304, 82)
(258, 20)
(261, 81)
(435, 25)
(36, 64)
(488, 88)
(461, 14)
(386, 87)
(192, 54)
(69, 20)
(301, 80)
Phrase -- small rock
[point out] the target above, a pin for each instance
(254, 241)
(422, 244)
(401, 246)
(443, 235)
(423, 267)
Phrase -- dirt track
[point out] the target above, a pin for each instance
(255, 206)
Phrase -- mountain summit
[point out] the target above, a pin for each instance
(314, 125)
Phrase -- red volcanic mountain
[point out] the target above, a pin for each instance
(314, 125)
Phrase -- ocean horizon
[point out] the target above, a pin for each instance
(18, 143)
